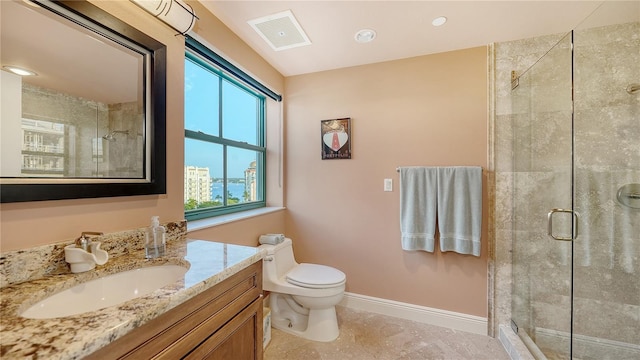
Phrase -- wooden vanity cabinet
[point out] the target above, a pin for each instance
(224, 322)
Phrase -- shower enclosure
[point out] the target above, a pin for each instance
(576, 192)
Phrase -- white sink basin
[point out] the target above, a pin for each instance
(106, 291)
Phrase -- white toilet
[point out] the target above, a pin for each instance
(303, 296)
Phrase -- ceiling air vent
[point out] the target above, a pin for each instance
(281, 31)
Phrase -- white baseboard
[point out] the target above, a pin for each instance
(449, 319)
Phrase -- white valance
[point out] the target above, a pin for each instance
(175, 13)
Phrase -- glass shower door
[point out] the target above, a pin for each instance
(542, 181)
(576, 125)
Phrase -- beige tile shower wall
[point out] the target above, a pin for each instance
(124, 156)
(607, 122)
(430, 111)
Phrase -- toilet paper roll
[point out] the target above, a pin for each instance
(271, 239)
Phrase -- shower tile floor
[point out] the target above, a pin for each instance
(365, 335)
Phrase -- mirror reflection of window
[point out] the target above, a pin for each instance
(43, 150)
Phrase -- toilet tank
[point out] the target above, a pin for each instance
(283, 259)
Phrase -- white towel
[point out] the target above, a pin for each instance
(460, 209)
(271, 239)
(418, 207)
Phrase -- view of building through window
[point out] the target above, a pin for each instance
(224, 141)
(201, 190)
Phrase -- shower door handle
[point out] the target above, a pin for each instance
(576, 217)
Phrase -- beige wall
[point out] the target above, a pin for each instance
(25, 225)
(429, 110)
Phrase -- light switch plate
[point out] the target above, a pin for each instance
(388, 185)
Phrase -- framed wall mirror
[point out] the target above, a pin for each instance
(82, 104)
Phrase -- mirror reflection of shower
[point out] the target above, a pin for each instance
(111, 136)
(633, 88)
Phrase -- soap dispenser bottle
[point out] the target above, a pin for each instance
(155, 243)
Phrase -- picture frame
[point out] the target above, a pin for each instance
(335, 138)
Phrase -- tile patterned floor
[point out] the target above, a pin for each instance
(369, 336)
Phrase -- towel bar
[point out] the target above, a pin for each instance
(398, 169)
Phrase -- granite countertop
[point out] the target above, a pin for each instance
(76, 336)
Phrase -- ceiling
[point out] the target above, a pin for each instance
(403, 30)
(403, 27)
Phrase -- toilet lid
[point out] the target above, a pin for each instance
(315, 276)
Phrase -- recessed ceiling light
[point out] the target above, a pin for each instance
(439, 21)
(365, 35)
(19, 71)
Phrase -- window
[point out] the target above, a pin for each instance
(224, 137)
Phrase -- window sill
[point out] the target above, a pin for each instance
(228, 218)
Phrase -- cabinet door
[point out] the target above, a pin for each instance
(239, 339)
(177, 332)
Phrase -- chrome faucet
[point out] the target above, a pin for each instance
(84, 242)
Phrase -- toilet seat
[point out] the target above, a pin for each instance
(315, 276)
